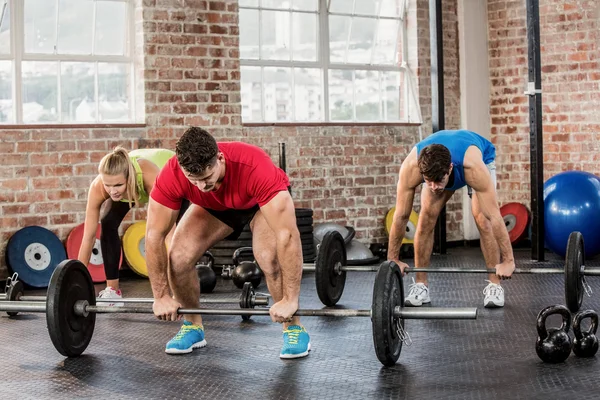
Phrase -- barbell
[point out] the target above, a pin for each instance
(330, 270)
(247, 299)
(71, 311)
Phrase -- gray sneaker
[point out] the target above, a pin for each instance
(494, 296)
(418, 295)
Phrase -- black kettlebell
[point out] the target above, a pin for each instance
(553, 345)
(585, 343)
(245, 271)
(207, 278)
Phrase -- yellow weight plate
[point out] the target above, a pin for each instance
(411, 226)
(134, 247)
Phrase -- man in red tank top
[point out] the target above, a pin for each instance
(229, 184)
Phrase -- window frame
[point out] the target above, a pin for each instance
(324, 64)
(17, 56)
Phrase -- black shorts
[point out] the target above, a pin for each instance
(236, 219)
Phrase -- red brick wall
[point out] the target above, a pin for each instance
(570, 85)
(189, 60)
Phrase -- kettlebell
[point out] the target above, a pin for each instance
(553, 345)
(585, 344)
(207, 278)
(245, 271)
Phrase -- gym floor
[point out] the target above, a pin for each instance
(491, 357)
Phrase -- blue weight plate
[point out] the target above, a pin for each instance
(33, 253)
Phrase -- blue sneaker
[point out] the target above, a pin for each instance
(296, 342)
(188, 338)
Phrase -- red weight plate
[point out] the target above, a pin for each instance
(96, 265)
(516, 218)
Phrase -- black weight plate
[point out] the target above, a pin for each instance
(388, 293)
(304, 212)
(70, 333)
(574, 265)
(245, 299)
(304, 221)
(330, 284)
(14, 292)
(33, 252)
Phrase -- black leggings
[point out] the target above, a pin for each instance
(110, 242)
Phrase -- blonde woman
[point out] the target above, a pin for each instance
(124, 181)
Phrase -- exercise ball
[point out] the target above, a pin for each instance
(246, 272)
(572, 203)
(207, 277)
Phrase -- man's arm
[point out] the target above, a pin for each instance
(478, 177)
(280, 214)
(409, 178)
(159, 222)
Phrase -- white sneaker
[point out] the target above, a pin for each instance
(110, 293)
(418, 295)
(494, 295)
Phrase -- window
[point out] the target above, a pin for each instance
(66, 61)
(325, 61)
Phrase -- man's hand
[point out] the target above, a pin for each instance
(166, 308)
(283, 310)
(505, 270)
(402, 266)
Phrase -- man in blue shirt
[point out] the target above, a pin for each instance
(444, 162)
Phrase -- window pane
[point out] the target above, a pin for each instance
(340, 6)
(366, 85)
(305, 36)
(361, 40)
(40, 94)
(40, 26)
(4, 27)
(278, 94)
(248, 3)
(111, 28)
(275, 35)
(6, 102)
(390, 8)
(75, 22)
(339, 27)
(366, 7)
(114, 83)
(341, 95)
(249, 34)
(386, 49)
(308, 94)
(251, 91)
(78, 98)
(391, 87)
(282, 4)
(306, 5)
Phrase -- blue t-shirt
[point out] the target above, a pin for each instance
(458, 141)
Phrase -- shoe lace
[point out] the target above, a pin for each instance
(293, 335)
(492, 289)
(416, 289)
(184, 330)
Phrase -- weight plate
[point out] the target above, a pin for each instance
(304, 212)
(134, 247)
(304, 221)
(33, 253)
(516, 218)
(14, 293)
(411, 226)
(96, 264)
(70, 333)
(245, 299)
(388, 293)
(574, 267)
(329, 280)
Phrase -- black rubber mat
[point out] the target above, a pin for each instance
(492, 357)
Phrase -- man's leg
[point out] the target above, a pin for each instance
(264, 246)
(431, 205)
(197, 231)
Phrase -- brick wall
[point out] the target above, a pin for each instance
(189, 63)
(570, 85)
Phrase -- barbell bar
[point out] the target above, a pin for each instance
(330, 270)
(71, 310)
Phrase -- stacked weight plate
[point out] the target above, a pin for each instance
(223, 251)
